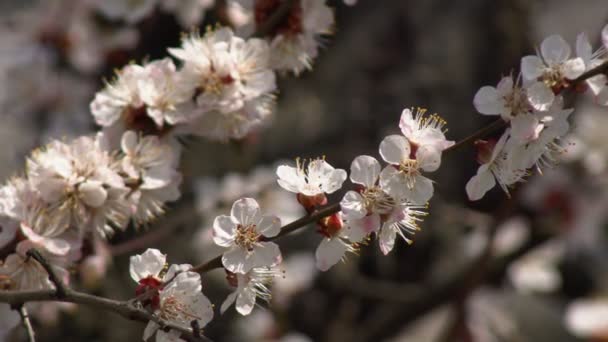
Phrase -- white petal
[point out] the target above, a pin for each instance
(422, 191)
(334, 181)
(394, 149)
(324, 176)
(246, 211)
(290, 179)
(429, 158)
(532, 67)
(228, 301)
(540, 96)
(128, 142)
(488, 101)
(269, 226)
(524, 128)
(573, 68)
(329, 252)
(266, 254)
(238, 260)
(393, 182)
(605, 36)
(245, 301)
(353, 205)
(479, 184)
(150, 263)
(93, 193)
(386, 239)
(584, 49)
(505, 86)
(554, 50)
(365, 170)
(223, 231)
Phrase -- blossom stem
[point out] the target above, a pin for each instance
(494, 126)
(600, 69)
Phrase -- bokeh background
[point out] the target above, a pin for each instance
(549, 246)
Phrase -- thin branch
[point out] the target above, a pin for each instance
(27, 323)
(59, 287)
(122, 308)
(600, 69)
(492, 127)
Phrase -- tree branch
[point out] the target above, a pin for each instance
(59, 287)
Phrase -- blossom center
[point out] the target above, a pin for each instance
(173, 309)
(377, 201)
(214, 83)
(517, 102)
(410, 169)
(246, 236)
(553, 78)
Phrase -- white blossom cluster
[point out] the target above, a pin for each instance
(223, 90)
(80, 190)
(533, 106)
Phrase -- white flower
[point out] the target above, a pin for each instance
(144, 98)
(149, 164)
(495, 168)
(25, 273)
(371, 199)
(403, 221)
(508, 99)
(316, 178)
(131, 11)
(422, 130)
(550, 71)
(537, 270)
(188, 12)
(226, 70)
(250, 286)
(587, 318)
(241, 232)
(403, 179)
(80, 183)
(180, 302)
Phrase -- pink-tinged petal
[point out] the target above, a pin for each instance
(223, 231)
(228, 301)
(202, 308)
(407, 123)
(393, 182)
(605, 36)
(584, 49)
(290, 179)
(364, 170)
(573, 68)
(269, 226)
(358, 229)
(479, 184)
(554, 50)
(266, 254)
(150, 263)
(394, 149)
(540, 96)
(525, 128)
(532, 67)
(329, 252)
(422, 191)
(353, 205)
(505, 86)
(238, 260)
(52, 189)
(488, 101)
(246, 211)
(429, 158)
(245, 301)
(386, 239)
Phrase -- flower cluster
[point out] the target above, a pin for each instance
(81, 190)
(533, 107)
(223, 91)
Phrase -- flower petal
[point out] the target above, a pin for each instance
(150, 263)
(554, 50)
(245, 301)
(479, 184)
(532, 67)
(394, 149)
(422, 191)
(266, 254)
(228, 301)
(246, 211)
(364, 170)
(290, 179)
(223, 231)
(269, 226)
(540, 96)
(573, 68)
(488, 101)
(407, 123)
(93, 193)
(353, 205)
(386, 239)
(128, 142)
(238, 260)
(329, 252)
(358, 229)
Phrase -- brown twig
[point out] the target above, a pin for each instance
(59, 287)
